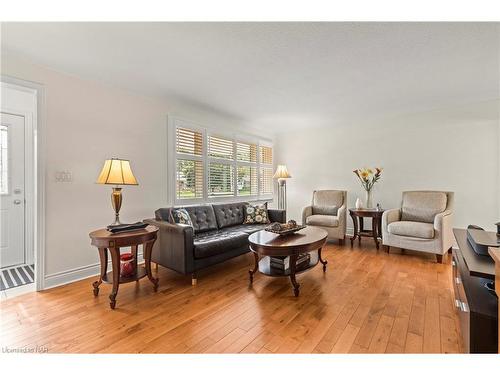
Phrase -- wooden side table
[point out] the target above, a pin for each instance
(357, 215)
(104, 241)
(495, 254)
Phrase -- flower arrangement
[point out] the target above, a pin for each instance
(368, 178)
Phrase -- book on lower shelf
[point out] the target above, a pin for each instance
(283, 263)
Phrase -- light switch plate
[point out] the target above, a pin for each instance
(64, 176)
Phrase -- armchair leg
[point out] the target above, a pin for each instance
(342, 241)
(439, 258)
(194, 280)
(450, 250)
(387, 248)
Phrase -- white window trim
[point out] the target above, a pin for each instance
(174, 122)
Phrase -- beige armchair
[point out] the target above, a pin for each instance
(423, 223)
(328, 211)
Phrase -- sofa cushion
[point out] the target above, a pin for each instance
(216, 242)
(202, 217)
(229, 214)
(411, 229)
(422, 206)
(324, 198)
(247, 228)
(323, 220)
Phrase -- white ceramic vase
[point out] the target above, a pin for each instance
(359, 203)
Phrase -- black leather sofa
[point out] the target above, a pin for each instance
(218, 234)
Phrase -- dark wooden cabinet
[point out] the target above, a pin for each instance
(476, 305)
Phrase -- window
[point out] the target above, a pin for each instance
(189, 164)
(216, 166)
(4, 160)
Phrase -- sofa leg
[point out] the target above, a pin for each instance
(341, 241)
(387, 248)
(194, 280)
(450, 250)
(439, 258)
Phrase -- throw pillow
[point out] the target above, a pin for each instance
(256, 214)
(181, 216)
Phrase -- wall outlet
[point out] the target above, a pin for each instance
(64, 176)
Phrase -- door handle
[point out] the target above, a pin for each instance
(17, 201)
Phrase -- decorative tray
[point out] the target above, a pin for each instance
(284, 229)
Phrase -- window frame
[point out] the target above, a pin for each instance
(173, 156)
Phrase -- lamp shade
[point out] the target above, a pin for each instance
(117, 172)
(282, 172)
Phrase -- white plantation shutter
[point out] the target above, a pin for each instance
(266, 155)
(220, 180)
(246, 152)
(220, 148)
(189, 142)
(247, 181)
(266, 180)
(189, 179)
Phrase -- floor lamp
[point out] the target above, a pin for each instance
(282, 175)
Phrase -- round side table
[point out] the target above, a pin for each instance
(357, 216)
(105, 240)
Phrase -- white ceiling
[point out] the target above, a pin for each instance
(278, 75)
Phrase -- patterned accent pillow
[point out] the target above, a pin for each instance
(256, 214)
(181, 216)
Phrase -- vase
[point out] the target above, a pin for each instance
(359, 204)
(369, 203)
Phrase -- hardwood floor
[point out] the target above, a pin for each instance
(366, 302)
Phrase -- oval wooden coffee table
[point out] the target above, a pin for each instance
(265, 244)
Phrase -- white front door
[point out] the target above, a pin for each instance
(12, 199)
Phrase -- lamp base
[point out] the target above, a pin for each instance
(116, 202)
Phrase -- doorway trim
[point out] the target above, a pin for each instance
(35, 171)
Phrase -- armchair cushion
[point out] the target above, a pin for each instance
(323, 220)
(325, 210)
(422, 206)
(411, 229)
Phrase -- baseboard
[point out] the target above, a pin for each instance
(76, 274)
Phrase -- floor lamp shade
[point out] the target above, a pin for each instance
(116, 172)
(281, 175)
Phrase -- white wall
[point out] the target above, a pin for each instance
(454, 150)
(85, 123)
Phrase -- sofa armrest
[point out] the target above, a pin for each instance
(306, 212)
(390, 216)
(276, 216)
(174, 246)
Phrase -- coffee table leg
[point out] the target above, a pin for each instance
(296, 285)
(148, 248)
(115, 261)
(255, 267)
(323, 262)
(103, 256)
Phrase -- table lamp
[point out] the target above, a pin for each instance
(116, 172)
(281, 174)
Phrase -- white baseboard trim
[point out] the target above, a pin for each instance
(70, 276)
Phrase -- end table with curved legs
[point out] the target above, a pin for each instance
(106, 241)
